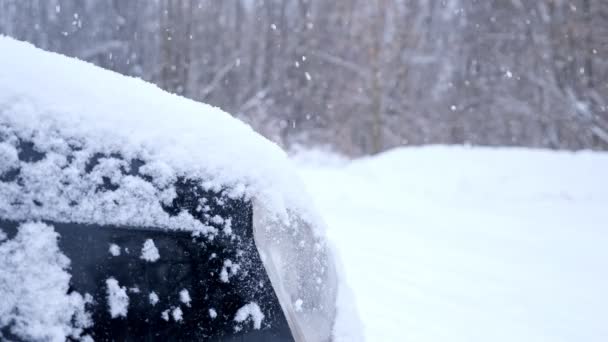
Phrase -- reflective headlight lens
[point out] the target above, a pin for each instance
(302, 272)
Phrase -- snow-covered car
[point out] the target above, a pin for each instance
(127, 213)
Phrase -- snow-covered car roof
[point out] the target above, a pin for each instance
(83, 145)
(95, 127)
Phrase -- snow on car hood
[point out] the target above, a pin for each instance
(64, 104)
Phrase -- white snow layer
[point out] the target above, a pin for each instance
(251, 310)
(470, 244)
(34, 284)
(149, 252)
(73, 111)
(118, 299)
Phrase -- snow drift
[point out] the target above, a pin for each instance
(470, 244)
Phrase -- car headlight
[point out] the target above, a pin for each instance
(302, 272)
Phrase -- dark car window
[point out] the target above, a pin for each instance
(219, 274)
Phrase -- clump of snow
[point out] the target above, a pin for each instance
(250, 311)
(177, 314)
(114, 249)
(224, 275)
(9, 157)
(228, 227)
(34, 284)
(298, 304)
(165, 315)
(89, 131)
(118, 299)
(153, 297)
(217, 219)
(149, 252)
(228, 269)
(212, 313)
(184, 297)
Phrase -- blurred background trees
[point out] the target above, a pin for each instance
(357, 76)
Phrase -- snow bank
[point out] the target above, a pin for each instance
(470, 244)
(34, 284)
(105, 148)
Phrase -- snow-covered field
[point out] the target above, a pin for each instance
(470, 244)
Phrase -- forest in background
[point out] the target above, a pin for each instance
(355, 76)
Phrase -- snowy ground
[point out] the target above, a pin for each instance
(459, 244)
